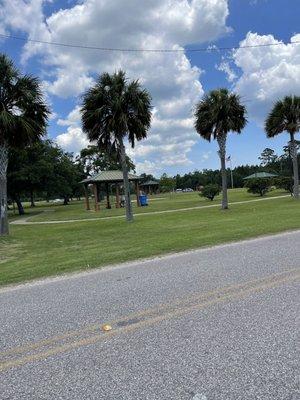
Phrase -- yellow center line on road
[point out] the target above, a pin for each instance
(155, 309)
(172, 311)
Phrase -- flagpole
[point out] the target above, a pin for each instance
(231, 173)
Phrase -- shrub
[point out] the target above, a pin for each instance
(286, 183)
(210, 191)
(258, 186)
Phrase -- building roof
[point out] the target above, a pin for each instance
(261, 175)
(149, 183)
(109, 177)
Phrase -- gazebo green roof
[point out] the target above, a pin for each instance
(109, 177)
(260, 175)
(149, 183)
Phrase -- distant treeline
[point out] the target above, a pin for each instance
(269, 162)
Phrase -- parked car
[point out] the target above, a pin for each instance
(178, 190)
(188, 190)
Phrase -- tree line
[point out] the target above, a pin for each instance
(281, 165)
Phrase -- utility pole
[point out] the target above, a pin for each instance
(231, 173)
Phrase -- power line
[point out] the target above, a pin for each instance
(131, 50)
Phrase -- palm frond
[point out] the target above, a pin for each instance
(23, 112)
(114, 108)
(284, 116)
(218, 113)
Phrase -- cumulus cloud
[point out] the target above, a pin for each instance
(25, 16)
(224, 66)
(73, 118)
(267, 73)
(73, 140)
(148, 167)
(67, 85)
(171, 79)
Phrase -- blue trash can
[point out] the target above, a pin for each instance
(143, 200)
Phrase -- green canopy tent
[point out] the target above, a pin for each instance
(259, 175)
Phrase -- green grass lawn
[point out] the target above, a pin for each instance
(165, 201)
(35, 251)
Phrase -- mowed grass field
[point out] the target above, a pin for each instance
(35, 251)
(162, 202)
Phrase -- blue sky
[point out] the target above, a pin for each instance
(263, 17)
(176, 81)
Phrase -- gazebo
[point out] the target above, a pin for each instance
(107, 179)
(150, 186)
(260, 175)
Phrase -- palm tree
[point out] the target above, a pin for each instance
(218, 113)
(112, 110)
(23, 120)
(285, 116)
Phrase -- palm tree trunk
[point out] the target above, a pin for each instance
(128, 205)
(3, 190)
(293, 148)
(222, 153)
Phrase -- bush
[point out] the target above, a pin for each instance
(210, 191)
(258, 186)
(286, 183)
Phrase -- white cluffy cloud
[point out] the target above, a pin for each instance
(72, 140)
(224, 66)
(267, 73)
(73, 118)
(171, 79)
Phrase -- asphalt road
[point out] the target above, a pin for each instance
(218, 323)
